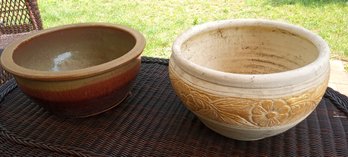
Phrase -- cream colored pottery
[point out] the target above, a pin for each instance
(248, 79)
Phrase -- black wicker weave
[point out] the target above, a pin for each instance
(17, 19)
(154, 122)
(18, 16)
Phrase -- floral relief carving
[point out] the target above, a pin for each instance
(247, 112)
(270, 113)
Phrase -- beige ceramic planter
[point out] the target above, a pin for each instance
(249, 79)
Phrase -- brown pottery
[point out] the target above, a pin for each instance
(76, 70)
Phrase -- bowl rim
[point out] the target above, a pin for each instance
(9, 65)
(307, 73)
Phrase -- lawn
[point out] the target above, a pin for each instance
(161, 21)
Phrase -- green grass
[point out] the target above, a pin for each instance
(162, 21)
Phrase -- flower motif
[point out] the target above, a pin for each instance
(247, 112)
(270, 113)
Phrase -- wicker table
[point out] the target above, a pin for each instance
(153, 122)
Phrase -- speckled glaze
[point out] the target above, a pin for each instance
(249, 79)
(76, 70)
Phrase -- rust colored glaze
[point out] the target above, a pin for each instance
(87, 107)
(91, 91)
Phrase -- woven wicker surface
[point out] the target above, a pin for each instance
(7, 39)
(4, 75)
(17, 16)
(153, 122)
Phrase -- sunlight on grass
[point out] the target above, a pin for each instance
(162, 21)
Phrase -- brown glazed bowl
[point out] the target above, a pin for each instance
(76, 70)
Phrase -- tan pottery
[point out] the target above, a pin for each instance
(248, 79)
(76, 70)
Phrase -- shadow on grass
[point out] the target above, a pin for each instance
(308, 3)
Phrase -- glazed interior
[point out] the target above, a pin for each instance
(73, 48)
(249, 50)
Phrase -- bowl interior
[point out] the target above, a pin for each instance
(73, 48)
(249, 50)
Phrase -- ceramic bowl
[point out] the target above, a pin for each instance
(249, 79)
(76, 70)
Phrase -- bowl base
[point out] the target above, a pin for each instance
(86, 108)
(106, 109)
(243, 134)
(87, 114)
